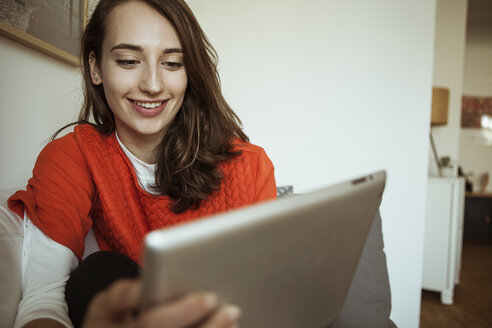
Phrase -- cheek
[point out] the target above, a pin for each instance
(177, 84)
(116, 82)
(111, 94)
(116, 87)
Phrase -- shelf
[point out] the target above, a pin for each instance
(479, 194)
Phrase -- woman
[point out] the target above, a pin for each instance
(163, 148)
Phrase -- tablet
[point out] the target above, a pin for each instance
(285, 263)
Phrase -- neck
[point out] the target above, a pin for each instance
(142, 148)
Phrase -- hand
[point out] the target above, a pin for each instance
(114, 306)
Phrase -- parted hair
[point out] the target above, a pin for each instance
(201, 135)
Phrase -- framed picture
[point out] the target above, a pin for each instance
(53, 27)
(476, 112)
(476, 121)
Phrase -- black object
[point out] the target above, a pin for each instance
(94, 274)
(478, 214)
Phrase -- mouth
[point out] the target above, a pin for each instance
(147, 104)
(148, 108)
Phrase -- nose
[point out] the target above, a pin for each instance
(151, 81)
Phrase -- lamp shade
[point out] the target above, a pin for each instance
(440, 105)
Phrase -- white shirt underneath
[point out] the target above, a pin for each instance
(46, 264)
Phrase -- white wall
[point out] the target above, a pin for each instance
(449, 56)
(38, 95)
(476, 151)
(335, 89)
(478, 57)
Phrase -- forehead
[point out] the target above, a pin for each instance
(135, 22)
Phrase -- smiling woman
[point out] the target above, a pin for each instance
(156, 144)
(143, 76)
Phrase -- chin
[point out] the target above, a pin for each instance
(152, 131)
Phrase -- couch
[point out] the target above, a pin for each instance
(368, 302)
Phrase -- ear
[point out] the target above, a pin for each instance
(96, 76)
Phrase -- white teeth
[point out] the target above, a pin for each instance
(147, 104)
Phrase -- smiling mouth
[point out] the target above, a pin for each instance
(148, 108)
(147, 104)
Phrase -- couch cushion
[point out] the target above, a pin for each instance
(368, 302)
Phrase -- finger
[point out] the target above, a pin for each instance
(181, 313)
(226, 317)
(121, 296)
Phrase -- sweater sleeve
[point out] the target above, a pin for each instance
(59, 196)
(266, 188)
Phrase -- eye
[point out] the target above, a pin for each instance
(172, 65)
(127, 63)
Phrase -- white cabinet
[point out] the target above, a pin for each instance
(443, 237)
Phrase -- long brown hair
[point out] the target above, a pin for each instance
(201, 135)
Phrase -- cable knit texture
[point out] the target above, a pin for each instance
(84, 179)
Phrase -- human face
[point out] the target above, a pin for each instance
(142, 72)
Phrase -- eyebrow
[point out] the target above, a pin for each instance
(140, 49)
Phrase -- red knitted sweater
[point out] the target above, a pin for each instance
(84, 180)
